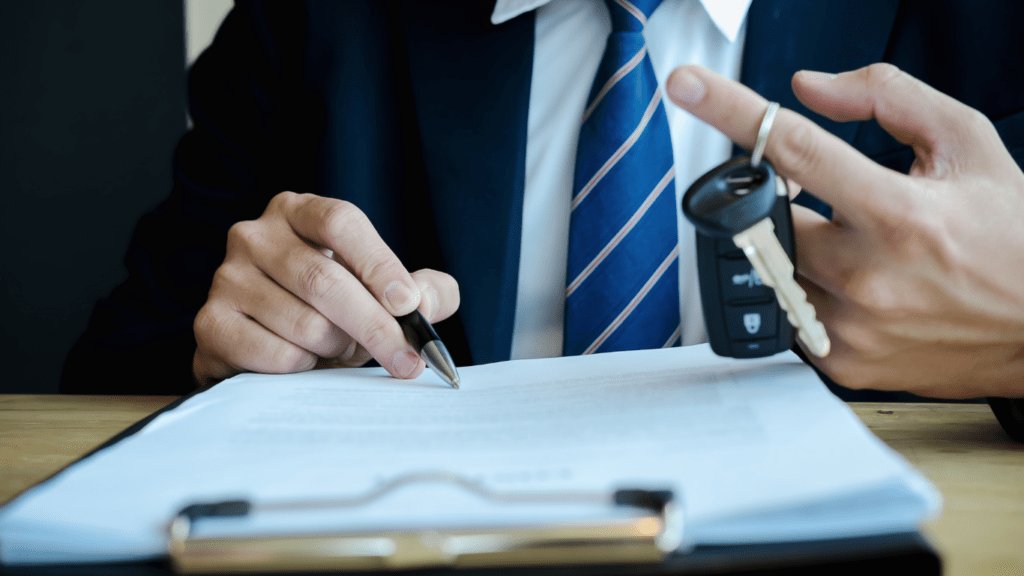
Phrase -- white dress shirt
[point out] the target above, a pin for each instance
(569, 43)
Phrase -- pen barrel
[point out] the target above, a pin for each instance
(417, 330)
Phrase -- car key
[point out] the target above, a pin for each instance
(737, 201)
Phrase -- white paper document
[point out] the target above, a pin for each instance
(755, 451)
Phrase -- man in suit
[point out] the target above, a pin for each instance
(408, 123)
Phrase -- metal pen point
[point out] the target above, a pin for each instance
(428, 345)
(436, 356)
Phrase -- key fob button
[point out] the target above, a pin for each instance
(739, 281)
(752, 348)
(751, 322)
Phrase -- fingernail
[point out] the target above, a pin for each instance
(816, 77)
(686, 87)
(399, 297)
(429, 295)
(404, 363)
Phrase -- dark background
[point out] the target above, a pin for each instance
(92, 102)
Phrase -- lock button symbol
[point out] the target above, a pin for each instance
(751, 321)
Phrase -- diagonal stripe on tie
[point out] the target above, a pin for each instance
(622, 291)
(652, 107)
(614, 242)
(666, 264)
(619, 75)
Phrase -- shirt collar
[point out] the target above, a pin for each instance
(727, 15)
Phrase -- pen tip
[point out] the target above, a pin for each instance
(436, 356)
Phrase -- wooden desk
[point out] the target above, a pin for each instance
(960, 447)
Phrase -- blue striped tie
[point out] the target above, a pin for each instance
(623, 272)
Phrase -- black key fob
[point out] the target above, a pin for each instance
(742, 315)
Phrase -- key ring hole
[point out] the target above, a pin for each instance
(745, 184)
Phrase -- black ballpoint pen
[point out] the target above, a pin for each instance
(424, 340)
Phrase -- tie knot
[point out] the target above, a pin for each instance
(630, 15)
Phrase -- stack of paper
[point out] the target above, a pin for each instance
(758, 451)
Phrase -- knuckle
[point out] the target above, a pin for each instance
(204, 323)
(242, 235)
(226, 276)
(339, 215)
(231, 281)
(378, 266)
(282, 201)
(378, 332)
(798, 147)
(320, 279)
(881, 73)
(288, 359)
(359, 357)
(312, 327)
(209, 324)
(220, 282)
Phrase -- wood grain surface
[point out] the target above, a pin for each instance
(41, 434)
(980, 471)
(959, 447)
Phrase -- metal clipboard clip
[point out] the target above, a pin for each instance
(647, 537)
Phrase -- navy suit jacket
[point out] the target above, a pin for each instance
(416, 111)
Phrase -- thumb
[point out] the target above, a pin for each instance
(934, 124)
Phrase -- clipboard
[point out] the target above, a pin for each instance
(652, 542)
(894, 554)
(652, 531)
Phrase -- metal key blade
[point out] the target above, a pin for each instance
(769, 259)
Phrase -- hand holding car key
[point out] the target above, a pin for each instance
(736, 200)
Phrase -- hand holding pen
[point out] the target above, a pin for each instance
(308, 283)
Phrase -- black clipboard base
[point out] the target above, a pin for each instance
(892, 554)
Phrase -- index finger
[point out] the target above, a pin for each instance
(347, 231)
(800, 149)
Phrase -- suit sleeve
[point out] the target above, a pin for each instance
(250, 140)
(1009, 411)
(1010, 414)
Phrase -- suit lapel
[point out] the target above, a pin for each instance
(471, 84)
(784, 36)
